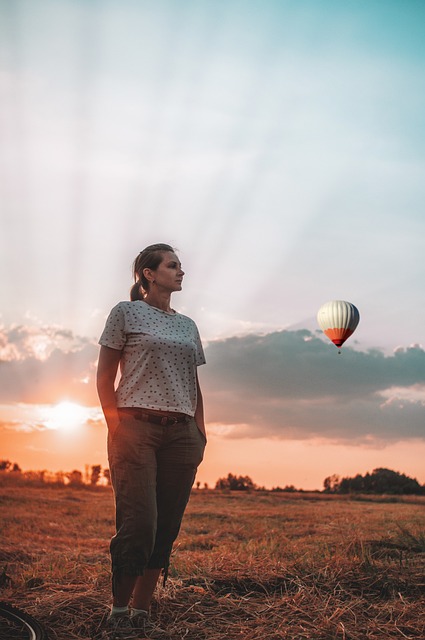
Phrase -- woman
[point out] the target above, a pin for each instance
(156, 431)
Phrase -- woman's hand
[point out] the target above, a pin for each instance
(112, 426)
(106, 373)
(199, 412)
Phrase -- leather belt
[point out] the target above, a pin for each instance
(145, 416)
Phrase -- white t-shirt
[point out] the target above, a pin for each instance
(160, 353)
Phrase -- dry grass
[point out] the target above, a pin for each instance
(261, 566)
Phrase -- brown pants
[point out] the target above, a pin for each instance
(153, 468)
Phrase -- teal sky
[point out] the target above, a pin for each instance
(278, 145)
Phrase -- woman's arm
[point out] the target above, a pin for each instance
(106, 373)
(199, 411)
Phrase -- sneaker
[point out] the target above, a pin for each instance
(145, 629)
(119, 627)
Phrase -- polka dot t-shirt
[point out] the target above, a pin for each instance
(160, 353)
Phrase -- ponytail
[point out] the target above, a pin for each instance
(136, 292)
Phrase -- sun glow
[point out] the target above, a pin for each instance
(66, 416)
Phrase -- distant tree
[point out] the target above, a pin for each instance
(75, 477)
(380, 481)
(95, 474)
(36, 477)
(10, 467)
(235, 483)
(107, 475)
(60, 477)
(388, 481)
(353, 485)
(289, 488)
(331, 484)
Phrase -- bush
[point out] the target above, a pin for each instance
(235, 483)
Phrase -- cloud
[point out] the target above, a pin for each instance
(42, 365)
(283, 384)
(19, 342)
(291, 384)
(20, 426)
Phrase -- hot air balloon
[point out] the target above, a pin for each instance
(338, 320)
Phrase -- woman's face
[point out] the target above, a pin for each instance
(169, 275)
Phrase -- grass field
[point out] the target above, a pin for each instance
(263, 566)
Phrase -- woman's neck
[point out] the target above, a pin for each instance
(162, 302)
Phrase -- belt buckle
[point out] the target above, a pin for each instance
(169, 421)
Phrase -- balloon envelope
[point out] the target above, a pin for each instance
(338, 320)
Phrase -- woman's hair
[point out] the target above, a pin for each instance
(149, 258)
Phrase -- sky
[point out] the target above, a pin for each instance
(279, 146)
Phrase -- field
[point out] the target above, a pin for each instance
(263, 566)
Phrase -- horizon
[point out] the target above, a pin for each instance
(67, 478)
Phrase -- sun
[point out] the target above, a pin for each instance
(66, 416)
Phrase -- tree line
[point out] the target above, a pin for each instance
(380, 481)
(94, 475)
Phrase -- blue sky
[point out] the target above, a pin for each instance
(278, 145)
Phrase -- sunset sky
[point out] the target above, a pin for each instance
(279, 145)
